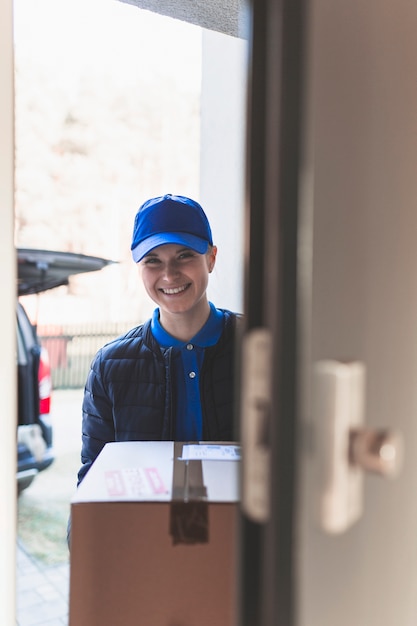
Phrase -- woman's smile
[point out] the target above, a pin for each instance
(173, 291)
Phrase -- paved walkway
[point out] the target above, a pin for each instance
(42, 592)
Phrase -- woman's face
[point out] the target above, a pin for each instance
(176, 278)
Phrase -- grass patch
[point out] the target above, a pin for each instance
(43, 510)
(43, 532)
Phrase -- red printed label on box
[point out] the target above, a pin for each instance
(134, 482)
(155, 480)
(115, 484)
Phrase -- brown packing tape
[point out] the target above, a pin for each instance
(189, 508)
(189, 523)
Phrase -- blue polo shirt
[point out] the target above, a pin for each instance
(187, 359)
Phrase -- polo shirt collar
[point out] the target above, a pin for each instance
(206, 336)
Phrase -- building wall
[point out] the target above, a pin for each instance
(222, 160)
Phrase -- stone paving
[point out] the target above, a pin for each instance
(42, 592)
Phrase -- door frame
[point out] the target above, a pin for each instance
(274, 155)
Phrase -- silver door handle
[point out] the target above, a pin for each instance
(376, 451)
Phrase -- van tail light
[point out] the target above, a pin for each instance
(45, 383)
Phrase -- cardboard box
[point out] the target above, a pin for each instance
(154, 536)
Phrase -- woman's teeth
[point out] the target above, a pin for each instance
(170, 292)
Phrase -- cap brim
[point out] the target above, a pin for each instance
(182, 239)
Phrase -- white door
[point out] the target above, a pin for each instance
(362, 149)
(335, 546)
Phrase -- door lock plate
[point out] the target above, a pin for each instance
(344, 448)
(255, 411)
(338, 407)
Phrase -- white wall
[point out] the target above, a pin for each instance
(7, 326)
(223, 122)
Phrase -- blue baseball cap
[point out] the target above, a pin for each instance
(170, 219)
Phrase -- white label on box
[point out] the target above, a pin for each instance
(134, 482)
(210, 452)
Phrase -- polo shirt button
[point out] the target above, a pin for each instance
(192, 374)
(190, 346)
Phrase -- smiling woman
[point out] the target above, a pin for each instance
(173, 244)
(172, 377)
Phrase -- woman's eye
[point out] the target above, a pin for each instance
(151, 261)
(186, 255)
